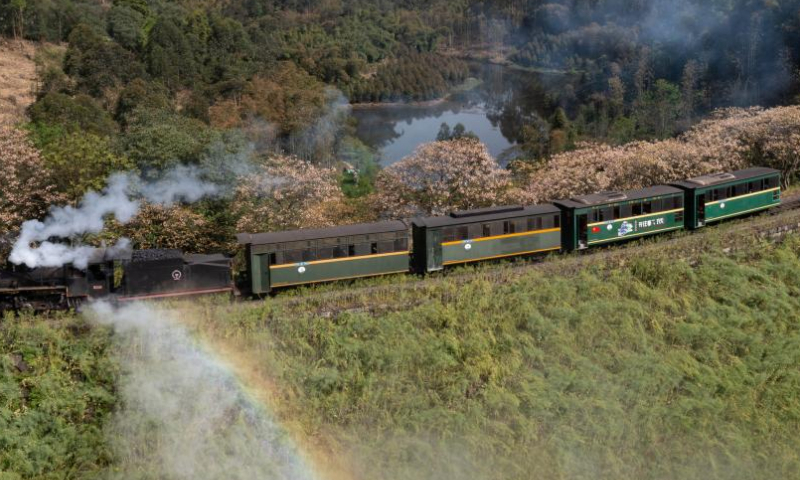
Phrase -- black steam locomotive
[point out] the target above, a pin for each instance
(135, 275)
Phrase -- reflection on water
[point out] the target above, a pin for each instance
(495, 111)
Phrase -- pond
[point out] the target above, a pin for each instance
(496, 109)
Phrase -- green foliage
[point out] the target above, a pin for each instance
(83, 161)
(98, 64)
(126, 26)
(169, 54)
(56, 391)
(140, 93)
(412, 76)
(358, 180)
(159, 139)
(78, 113)
(654, 370)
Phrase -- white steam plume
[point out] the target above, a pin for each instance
(117, 199)
(183, 414)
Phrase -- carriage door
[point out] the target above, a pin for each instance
(583, 231)
(434, 249)
(701, 209)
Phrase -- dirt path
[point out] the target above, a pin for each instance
(17, 78)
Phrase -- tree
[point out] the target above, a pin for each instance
(287, 193)
(170, 56)
(440, 177)
(444, 133)
(140, 93)
(288, 97)
(731, 139)
(97, 63)
(158, 139)
(81, 162)
(659, 109)
(157, 226)
(126, 25)
(79, 113)
(28, 185)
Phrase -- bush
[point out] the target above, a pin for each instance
(79, 113)
(81, 162)
(443, 176)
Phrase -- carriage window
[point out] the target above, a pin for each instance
(557, 221)
(519, 225)
(324, 253)
(462, 233)
(547, 222)
(386, 246)
(636, 209)
(625, 211)
(741, 189)
(474, 230)
(373, 248)
(340, 251)
(772, 182)
(361, 249)
(679, 202)
(448, 234)
(507, 228)
(647, 207)
(753, 187)
(658, 205)
(605, 214)
(293, 256)
(309, 255)
(731, 191)
(616, 213)
(273, 258)
(401, 245)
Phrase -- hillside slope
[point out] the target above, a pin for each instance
(654, 368)
(17, 78)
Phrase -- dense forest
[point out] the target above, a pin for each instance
(146, 85)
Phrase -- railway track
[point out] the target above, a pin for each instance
(774, 224)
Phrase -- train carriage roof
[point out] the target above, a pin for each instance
(727, 177)
(463, 217)
(317, 233)
(610, 198)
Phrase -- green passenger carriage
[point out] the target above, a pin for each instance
(483, 234)
(299, 257)
(604, 218)
(715, 197)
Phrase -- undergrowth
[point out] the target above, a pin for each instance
(656, 369)
(56, 389)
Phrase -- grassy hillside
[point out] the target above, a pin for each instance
(56, 390)
(658, 369)
(631, 365)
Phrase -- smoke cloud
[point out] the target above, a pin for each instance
(119, 199)
(183, 414)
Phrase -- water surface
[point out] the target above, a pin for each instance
(495, 110)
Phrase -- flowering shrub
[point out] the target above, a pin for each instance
(443, 176)
(287, 193)
(27, 188)
(730, 139)
(157, 226)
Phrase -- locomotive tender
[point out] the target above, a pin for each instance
(300, 257)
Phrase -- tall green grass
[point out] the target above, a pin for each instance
(656, 369)
(56, 390)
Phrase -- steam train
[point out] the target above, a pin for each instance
(285, 259)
